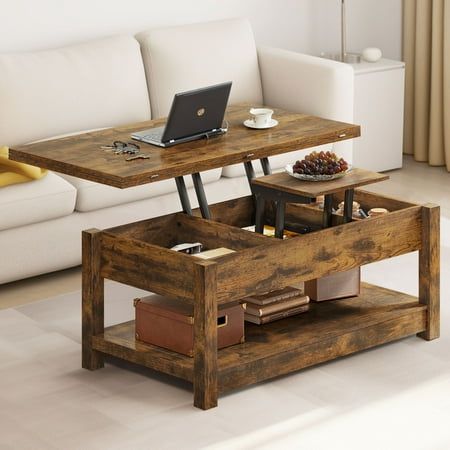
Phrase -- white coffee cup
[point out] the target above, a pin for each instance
(261, 117)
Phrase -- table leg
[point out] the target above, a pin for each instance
(348, 205)
(429, 278)
(92, 298)
(182, 193)
(259, 216)
(279, 221)
(328, 211)
(265, 164)
(205, 335)
(250, 172)
(200, 191)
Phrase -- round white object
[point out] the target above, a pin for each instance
(372, 54)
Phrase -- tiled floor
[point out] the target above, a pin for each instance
(394, 397)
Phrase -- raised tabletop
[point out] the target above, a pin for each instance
(82, 157)
(286, 183)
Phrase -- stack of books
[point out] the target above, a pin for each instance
(275, 305)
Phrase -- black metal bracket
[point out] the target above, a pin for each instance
(348, 205)
(250, 172)
(201, 196)
(265, 164)
(184, 198)
(328, 211)
(279, 198)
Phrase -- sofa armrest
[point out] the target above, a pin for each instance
(307, 84)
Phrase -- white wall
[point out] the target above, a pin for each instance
(309, 26)
(370, 23)
(31, 24)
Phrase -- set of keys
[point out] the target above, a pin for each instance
(120, 148)
(126, 148)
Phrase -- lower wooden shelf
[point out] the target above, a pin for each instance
(328, 331)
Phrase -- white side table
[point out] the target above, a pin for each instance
(379, 109)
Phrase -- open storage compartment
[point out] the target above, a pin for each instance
(138, 254)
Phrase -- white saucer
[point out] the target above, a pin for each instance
(249, 123)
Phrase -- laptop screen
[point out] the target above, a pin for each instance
(198, 111)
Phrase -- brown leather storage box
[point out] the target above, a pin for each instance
(335, 286)
(168, 323)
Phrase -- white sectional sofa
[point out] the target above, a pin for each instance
(125, 79)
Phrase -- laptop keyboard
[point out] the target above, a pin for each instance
(154, 134)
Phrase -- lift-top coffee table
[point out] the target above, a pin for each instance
(138, 254)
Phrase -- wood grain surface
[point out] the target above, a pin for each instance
(167, 231)
(285, 183)
(82, 157)
(329, 330)
(313, 255)
(146, 266)
(205, 335)
(92, 298)
(139, 254)
(119, 341)
(429, 269)
(260, 264)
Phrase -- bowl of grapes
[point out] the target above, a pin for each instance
(319, 166)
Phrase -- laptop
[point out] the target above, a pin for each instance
(193, 115)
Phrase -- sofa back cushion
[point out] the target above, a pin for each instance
(188, 57)
(91, 85)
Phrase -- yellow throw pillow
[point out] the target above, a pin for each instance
(12, 172)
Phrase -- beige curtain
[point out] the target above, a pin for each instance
(426, 50)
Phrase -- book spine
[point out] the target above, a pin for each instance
(253, 310)
(273, 317)
(283, 314)
(274, 299)
(252, 319)
(273, 308)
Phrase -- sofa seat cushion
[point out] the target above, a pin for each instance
(37, 201)
(277, 162)
(96, 84)
(192, 56)
(92, 196)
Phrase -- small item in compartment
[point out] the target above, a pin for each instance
(319, 201)
(276, 316)
(362, 214)
(169, 323)
(187, 248)
(335, 286)
(214, 253)
(356, 214)
(376, 212)
(270, 231)
(356, 207)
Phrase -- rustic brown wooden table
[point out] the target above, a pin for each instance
(137, 254)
